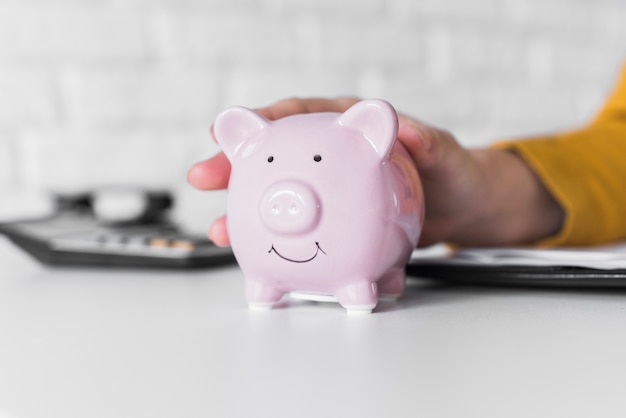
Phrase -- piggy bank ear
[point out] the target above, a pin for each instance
(236, 125)
(377, 120)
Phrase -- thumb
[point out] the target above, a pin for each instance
(428, 146)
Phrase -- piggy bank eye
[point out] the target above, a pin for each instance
(270, 159)
(317, 158)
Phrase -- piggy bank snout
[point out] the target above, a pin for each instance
(290, 207)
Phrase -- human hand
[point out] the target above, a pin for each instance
(472, 197)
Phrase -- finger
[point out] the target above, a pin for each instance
(293, 106)
(428, 146)
(211, 174)
(417, 141)
(218, 232)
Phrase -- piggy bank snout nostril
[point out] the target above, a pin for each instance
(290, 207)
(286, 201)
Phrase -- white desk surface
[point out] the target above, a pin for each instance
(105, 343)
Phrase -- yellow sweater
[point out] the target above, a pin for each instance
(585, 170)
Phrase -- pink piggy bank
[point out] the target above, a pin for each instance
(323, 204)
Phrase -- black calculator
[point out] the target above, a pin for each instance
(75, 237)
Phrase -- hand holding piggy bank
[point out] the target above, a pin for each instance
(321, 203)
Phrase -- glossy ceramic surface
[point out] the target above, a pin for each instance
(322, 203)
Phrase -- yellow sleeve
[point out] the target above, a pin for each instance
(585, 170)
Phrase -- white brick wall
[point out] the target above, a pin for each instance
(95, 92)
(128, 98)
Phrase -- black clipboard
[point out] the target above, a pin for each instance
(574, 271)
(551, 276)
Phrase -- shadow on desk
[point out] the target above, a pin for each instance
(422, 292)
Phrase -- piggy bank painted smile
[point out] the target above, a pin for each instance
(325, 204)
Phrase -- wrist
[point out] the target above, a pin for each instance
(516, 207)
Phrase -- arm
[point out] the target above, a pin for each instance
(585, 170)
(478, 197)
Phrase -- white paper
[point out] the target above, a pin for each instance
(605, 257)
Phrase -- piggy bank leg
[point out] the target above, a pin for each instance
(391, 285)
(261, 295)
(359, 297)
